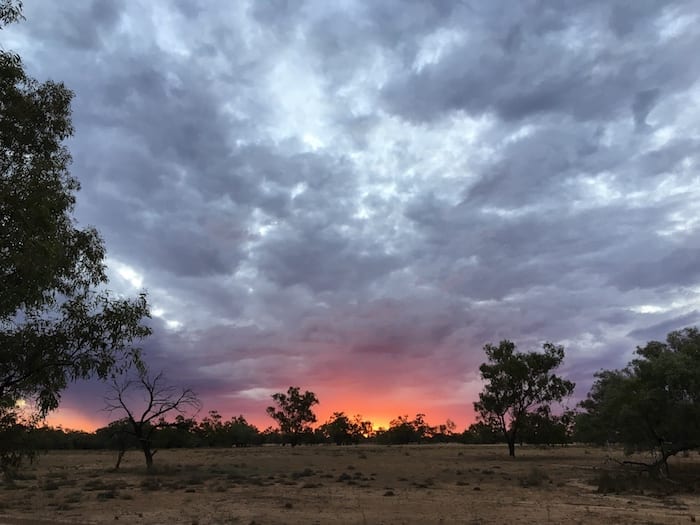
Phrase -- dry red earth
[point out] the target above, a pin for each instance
(328, 484)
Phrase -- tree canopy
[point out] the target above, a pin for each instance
(293, 413)
(58, 323)
(652, 404)
(517, 383)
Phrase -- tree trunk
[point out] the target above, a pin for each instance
(511, 448)
(122, 451)
(147, 452)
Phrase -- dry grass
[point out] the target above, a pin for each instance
(328, 484)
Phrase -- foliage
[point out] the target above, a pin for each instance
(403, 430)
(342, 430)
(10, 11)
(16, 440)
(541, 427)
(57, 323)
(293, 413)
(482, 434)
(143, 415)
(652, 404)
(237, 432)
(517, 383)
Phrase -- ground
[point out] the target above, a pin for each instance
(329, 484)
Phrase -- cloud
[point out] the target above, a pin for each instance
(355, 197)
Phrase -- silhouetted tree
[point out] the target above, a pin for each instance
(403, 430)
(541, 427)
(342, 430)
(154, 400)
(517, 383)
(482, 433)
(293, 413)
(241, 433)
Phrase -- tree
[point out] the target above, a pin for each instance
(403, 430)
(16, 441)
(342, 430)
(57, 322)
(653, 404)
(145, 401)
(293, 413)
(517, 383)
(541, 427)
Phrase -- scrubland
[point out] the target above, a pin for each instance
(356, 484)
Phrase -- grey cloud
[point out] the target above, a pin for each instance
(597, 79)
(323, 260)
(658, 332)
(569, 203)
(84, 26)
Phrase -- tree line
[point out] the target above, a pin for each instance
(60, 324)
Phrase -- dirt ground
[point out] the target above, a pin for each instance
(328, 484)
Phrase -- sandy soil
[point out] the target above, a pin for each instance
(328, 484)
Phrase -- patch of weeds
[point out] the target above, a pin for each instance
(256, 481)
(344, 477)
(487, 471)
(389, 493)
(151, 484)
(608, 483)
(108, 494)
(73, 497)
(57, 474)
(23, 476)
(620, 482)
(50, 485)
(173, 485)
(463, 483)
(534, 478)
(311, 485)
(194, 480)
(94, 484)
(303, 473)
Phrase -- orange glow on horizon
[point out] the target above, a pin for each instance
(377, 406)
(70, 419)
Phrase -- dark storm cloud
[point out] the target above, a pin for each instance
(589, 61)
(365, 193)
(84, 26)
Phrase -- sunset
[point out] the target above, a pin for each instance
(355, 201)
(362, 261)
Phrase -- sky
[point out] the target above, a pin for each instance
(354, 197)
